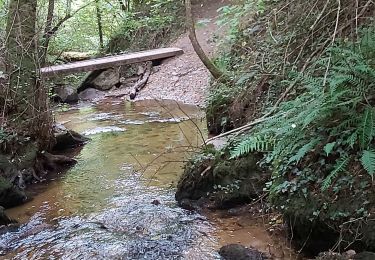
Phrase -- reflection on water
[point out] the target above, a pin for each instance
(117, 202)
(154, 149)
(102, 208)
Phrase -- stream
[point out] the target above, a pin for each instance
(118, 202)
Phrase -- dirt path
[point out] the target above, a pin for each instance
(185, 78)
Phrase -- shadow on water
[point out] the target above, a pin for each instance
(118, 202)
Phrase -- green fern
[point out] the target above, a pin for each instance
(368, 161)
(367, 130)
(331, 112)
(256, 143)
(329, 147)
(339, 167)
(304, 150)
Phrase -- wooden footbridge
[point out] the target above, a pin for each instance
(110, 61)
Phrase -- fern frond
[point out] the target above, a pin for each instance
(340, 166)
(329, 147)
(367, 130)
(251, 144)
(368, 161)
(304, 150)
(353, 139)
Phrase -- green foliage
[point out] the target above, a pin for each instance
(330, 125)
(368, 161)
(339, 167)
(137, 24)
(251, 144)
(150, 27)
(231, 17)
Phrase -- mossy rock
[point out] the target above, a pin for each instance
(225, 182)
(10, 195)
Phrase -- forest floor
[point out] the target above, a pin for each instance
(185, 78)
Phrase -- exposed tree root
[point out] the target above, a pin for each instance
(142, 81)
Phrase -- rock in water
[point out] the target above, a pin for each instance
(240, 252)
(67, 138)
(90, 94)
(65, 94)
(4, 219)
(187, 204)
(10, 195)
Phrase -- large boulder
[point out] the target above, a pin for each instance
(107, 79)
(65, 94)
(101, 80)
(225, 182)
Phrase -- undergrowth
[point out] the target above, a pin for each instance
(268, 39)
(320, 144)
(333, 116)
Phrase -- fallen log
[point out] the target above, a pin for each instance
(142, 81)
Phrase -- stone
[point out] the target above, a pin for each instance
(155, 202)
(187, 204)
(4, 219)
(240, 252)
(10, 195)
(65, 94)
(67, 138)
(90, 94)
(256, 29)
(106, 80)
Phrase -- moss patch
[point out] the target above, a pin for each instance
(226, 183)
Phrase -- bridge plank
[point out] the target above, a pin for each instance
(111, 61)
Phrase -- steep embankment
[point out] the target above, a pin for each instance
(302, 107)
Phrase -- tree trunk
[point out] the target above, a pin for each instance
(47, 32)
(215, 72)
(26, 99)
(100, 27)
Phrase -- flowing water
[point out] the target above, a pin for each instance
(118, 202)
